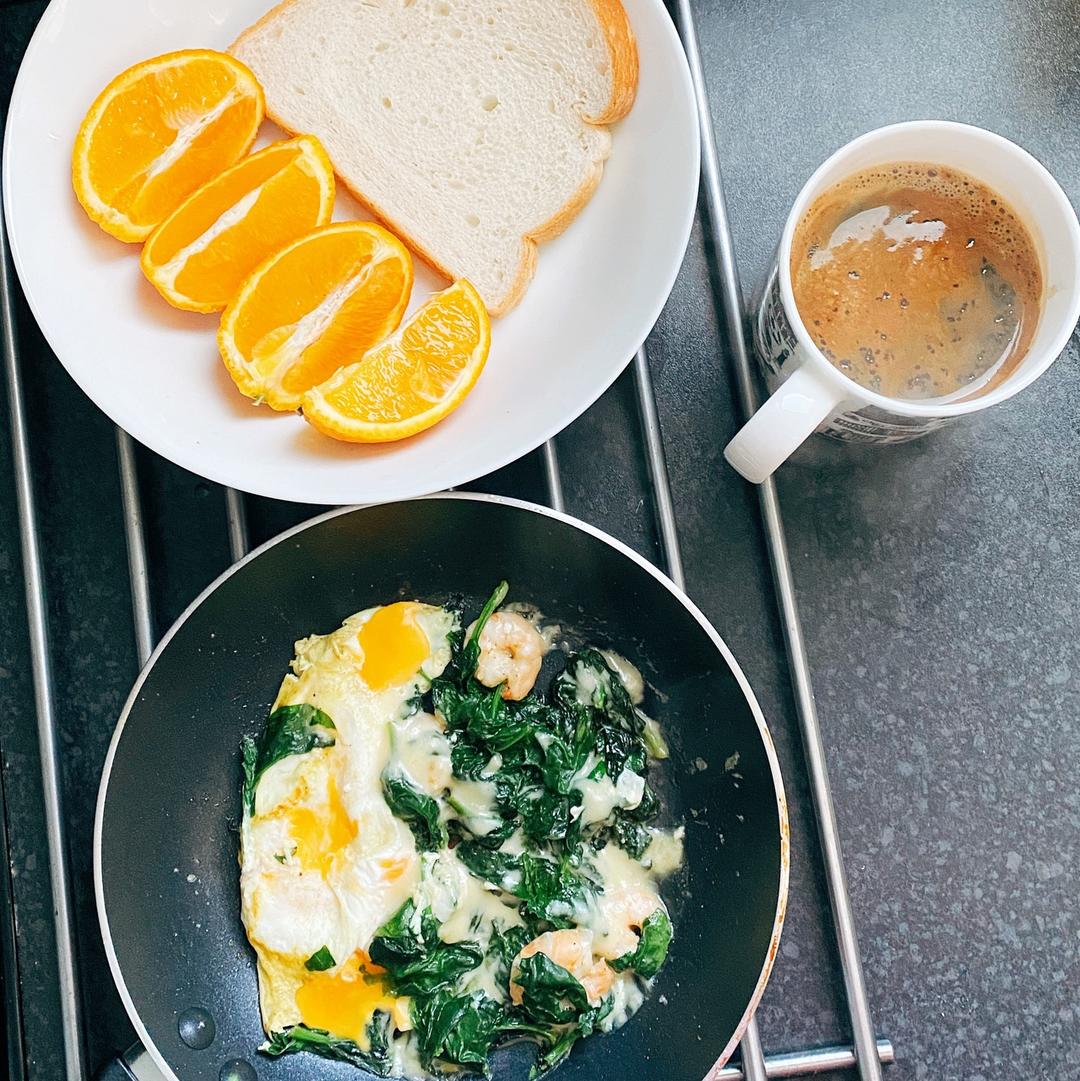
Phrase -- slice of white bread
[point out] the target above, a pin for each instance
(474, 129)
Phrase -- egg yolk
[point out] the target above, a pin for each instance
(394, 646)
(321, 832)
(342, 1001)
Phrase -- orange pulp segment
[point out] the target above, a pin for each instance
(198, 258)
(157, 132)
(412, 380)
(315, 306)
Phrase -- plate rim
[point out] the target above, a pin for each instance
(219, 469)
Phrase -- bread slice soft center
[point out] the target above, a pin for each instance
(474, 129)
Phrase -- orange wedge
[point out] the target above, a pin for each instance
(412, 380)
(200, 255)
(318, 304)
(157, 132)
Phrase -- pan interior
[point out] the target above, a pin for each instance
(168, 859)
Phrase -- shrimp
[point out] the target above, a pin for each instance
(511, 652)
(573, 950)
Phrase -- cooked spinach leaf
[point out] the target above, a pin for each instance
(545, 816)
(416, 809)
(438, 969)
(288, 730)
(320, 1042)
(655, 743)
(320, 960)
(563, 759)
(470, 655)
(632, 837)
(506, 944)
(562, 1041)
(500, 869)
(416, 960)
(467, 761)
(550, 889)
(463, 1029)
(549, 992)
(404, 936)
(457, 1029)
(651, 949)
(619, 728)
(465, 653)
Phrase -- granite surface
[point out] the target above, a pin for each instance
(938, 581)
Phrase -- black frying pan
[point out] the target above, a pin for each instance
(166, 844)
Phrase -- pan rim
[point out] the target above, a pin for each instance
(479, 497)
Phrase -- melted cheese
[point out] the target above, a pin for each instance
(629, 897)
(628, 674)
(600, 796)
(474, 802)
(664, 855)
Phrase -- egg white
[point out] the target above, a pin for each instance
(324, 862)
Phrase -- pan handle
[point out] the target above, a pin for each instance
(115, 1070)
(133, 1065)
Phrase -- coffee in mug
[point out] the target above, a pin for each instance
(991, 229)
(917, 281)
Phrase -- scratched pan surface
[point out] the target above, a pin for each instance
(166, 841)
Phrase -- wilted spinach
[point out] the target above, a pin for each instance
(652, 948)
(416, 809)
(320, 960)
(549, 992)
(301, 1038)
(457, 1029)
(288, 730)
(561, 1041)
(417, 961)
(549, 889)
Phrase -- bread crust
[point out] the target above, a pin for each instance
(622, 46)
(622, 51)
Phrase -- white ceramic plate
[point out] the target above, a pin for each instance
(155, 371)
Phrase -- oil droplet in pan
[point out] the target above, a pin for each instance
(196, 1027)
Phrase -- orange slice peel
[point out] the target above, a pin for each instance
(413, 379)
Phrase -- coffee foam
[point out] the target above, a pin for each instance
(979, 203)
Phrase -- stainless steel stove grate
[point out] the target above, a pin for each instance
(865, 1055)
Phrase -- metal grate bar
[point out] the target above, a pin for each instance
(236, 519)
(15, 1051)
(41, 663)
(138, 571)
(556, 496)
(750, 1049)
(731, 298)
(656, 460)
(807, 1063)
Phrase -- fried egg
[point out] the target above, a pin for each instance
(324, 862)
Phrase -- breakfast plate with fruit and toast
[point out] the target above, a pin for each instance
(341, 252)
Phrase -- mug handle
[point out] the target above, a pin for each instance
(794, 411)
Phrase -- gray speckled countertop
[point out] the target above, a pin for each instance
(938, 581)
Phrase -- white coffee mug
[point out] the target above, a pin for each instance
(809, 394)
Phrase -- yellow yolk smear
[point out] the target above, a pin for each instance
(343, 1002)
(321, 832)
(394, 646)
